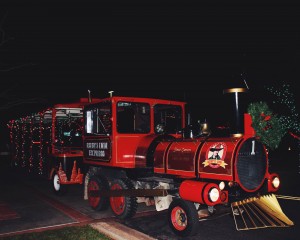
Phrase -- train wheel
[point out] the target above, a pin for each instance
(183, 218)
(125, 206)
(97, 183)
(57, 187)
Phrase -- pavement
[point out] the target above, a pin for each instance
(27, 205)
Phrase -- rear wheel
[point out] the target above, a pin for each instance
(183, 218)
(125, 206)
(96, 184)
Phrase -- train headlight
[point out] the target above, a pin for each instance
(230, 184)
(221, 185)
(275, 182)
(214, 194)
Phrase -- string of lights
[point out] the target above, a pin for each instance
(285, 97)
(31, 139)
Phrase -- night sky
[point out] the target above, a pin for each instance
(54, 51)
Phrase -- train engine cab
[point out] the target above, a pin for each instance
(118, 130)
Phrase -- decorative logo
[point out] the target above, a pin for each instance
(215, 155)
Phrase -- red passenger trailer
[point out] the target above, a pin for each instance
(49, 143)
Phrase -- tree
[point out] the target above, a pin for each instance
(267, 125)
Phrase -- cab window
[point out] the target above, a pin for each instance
(98, 119)
(133, 117)
(167, 118)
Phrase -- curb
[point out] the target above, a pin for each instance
(118, 231)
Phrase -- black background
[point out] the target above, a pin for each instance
(179, 50)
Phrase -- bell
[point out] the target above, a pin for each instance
(205, 128)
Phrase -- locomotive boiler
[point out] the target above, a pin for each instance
(137, 152)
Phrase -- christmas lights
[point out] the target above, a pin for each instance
(31, 139)
(285, 98)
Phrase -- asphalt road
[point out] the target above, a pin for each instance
(222, 227)
(36, 207)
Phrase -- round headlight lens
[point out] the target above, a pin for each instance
(221, 185)
(275, 182)
(214, 194)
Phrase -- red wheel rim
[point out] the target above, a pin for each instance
(179, 218)
(93, 200)
(117, 203)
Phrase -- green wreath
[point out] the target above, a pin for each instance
(266, 124)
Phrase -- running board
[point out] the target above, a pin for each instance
(259, 212)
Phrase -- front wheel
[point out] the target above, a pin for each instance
(123, 207)
(57, 187)
(183, 218)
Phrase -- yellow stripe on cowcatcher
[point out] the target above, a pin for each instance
(259, 212)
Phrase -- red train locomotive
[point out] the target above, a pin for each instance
(136, 152)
